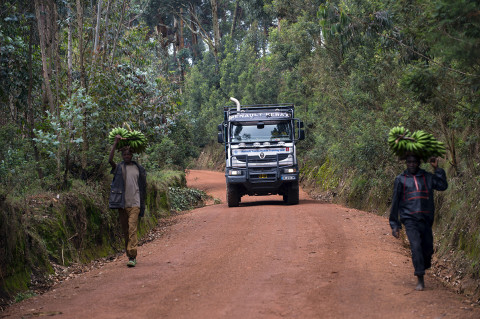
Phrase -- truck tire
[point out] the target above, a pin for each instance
(233, 198)
(291, 197)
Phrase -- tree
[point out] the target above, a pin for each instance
(44, 11)
(216, 27)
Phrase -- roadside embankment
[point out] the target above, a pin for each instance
(43, 233)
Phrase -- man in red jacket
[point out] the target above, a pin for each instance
(413, 201)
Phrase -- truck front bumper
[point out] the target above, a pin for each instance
(261, 181)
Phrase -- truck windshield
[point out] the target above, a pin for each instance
(261, 133)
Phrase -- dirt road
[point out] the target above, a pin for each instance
(260, 260)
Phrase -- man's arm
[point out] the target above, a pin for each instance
(394, 222)
(434, 162)
(112, 151)
(439, 177)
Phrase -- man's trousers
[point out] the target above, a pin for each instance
(420, 236)
(129, 222)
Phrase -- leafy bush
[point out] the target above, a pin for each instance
(174, 150)
(185, 198)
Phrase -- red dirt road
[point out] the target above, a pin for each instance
(260, 260)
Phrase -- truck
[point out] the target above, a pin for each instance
(260, 151)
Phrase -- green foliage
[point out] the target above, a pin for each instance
(175, 149)
(24, 295)
(16, 61)
(16, 173)
(65, 129)
(420, 81)
(203, 103)
(326, 177)
(185, 198)
(458, 222)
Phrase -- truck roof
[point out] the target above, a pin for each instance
(259, 112)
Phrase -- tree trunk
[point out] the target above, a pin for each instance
(30, 112)
(196, 27)
(234, 21)
(178, 45)
(97, 30)
(194, 31)
(69, 53)
(181, 44)
(177, 36)
(105, 33)
(80, 42)
(13, 109)
(56, 62)
(41, 13)
(83, 158)
(118, 31)
(67, 167)
(216, 26)
(58, 85)
(264, 40)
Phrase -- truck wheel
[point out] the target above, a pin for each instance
(292, 194)
(233, 198)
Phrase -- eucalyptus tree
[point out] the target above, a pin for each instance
(181, 23)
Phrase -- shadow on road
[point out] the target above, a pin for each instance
(279, 203)
(263, 203)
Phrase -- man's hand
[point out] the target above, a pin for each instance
(118, 137)
(434, 162)
(395, 233)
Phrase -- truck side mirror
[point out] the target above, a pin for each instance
(301, 135)
(220, 137)
(220, 127)
(300, 124)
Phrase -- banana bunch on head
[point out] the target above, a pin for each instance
(136, 140)
(402, 143)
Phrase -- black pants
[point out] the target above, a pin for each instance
(420, 236)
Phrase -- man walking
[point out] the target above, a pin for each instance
(413, 201)
(127, 194)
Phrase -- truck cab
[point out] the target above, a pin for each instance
(260, 151)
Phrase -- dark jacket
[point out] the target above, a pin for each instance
(117, 188)
(413, 196)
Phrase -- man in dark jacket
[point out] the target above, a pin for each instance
(127, 194)
(413, 201)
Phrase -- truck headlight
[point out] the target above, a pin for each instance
(234, 173)
(290, 170)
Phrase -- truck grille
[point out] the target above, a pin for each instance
(257, 159)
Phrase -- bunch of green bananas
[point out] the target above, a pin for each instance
(419, 143)
(135, 139)
(118, 131)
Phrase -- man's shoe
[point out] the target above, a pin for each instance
(132, 262)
